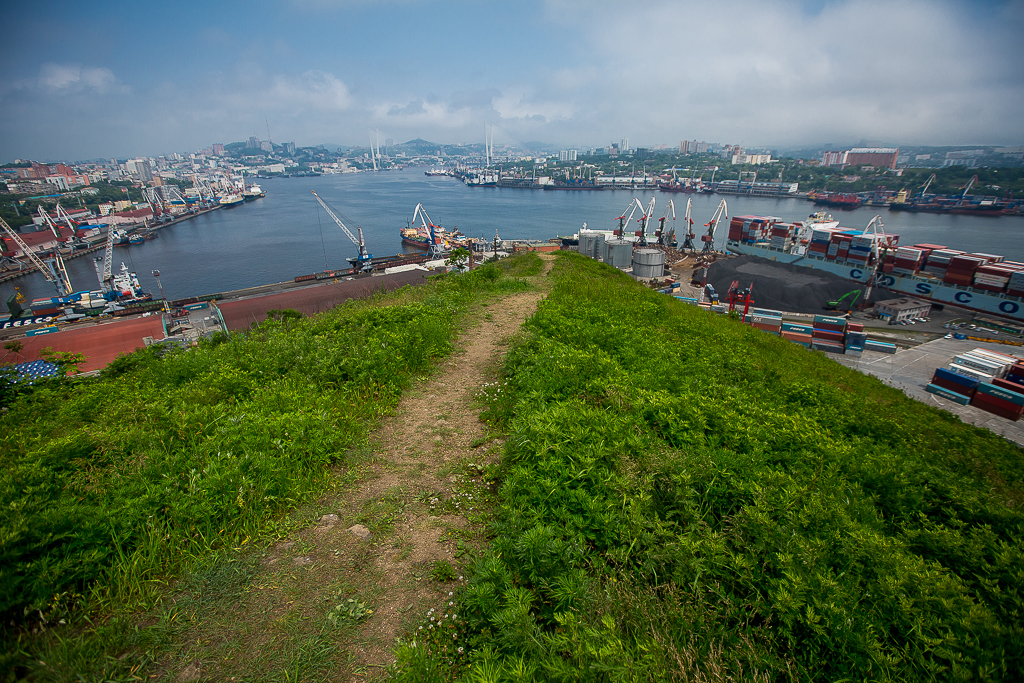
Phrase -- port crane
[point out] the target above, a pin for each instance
(927, 184)
(967, 189)
(688, 225)
(436, 250)
(364, 261)
(667, 238)
(105, 273)
(740, 296)
(53, 269)
(709, 239)
(876, 227)
(645, 216)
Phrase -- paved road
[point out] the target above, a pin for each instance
(911, 370)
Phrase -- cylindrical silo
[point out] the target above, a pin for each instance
(597, 247)
(648, 263)
(619, 253)
(585, 242)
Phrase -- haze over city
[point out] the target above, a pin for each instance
(122, 79)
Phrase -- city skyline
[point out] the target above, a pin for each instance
(108, 81)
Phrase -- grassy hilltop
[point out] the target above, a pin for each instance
(687, 498)
(679, 496)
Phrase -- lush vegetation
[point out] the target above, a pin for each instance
(686, 498)
(113, 485)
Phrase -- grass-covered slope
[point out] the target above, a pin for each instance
(687, 498)
(111, 485)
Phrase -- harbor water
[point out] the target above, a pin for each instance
(286, 234)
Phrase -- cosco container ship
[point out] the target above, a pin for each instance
(979, 282)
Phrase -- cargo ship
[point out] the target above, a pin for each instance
(979, 282)
(842, 200)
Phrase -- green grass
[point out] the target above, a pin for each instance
(115, 485)
(683, 497)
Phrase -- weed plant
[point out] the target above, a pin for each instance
(684, 497)
(113, 485)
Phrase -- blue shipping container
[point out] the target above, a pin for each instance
(947, 394)
(949, 376)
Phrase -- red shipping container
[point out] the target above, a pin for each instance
(952, 386)
(830, 327)
(855, 327)
(982, 404)
(829, 336)
(1006, 384)
(996, 402)
(797, 336)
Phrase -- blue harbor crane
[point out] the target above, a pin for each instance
(364, 261)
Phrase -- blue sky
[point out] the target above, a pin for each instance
(83, 80)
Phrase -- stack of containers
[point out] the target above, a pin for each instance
(797, 333)
(855, 338)
(829, 334)
(751, 228)
(835, 245)
(783, 236)
(1016, 373)
(982, 363)
(978, 375)
(1015, 287)
(765, 323)
(998, 401)
(961, 269)
(989, 258)
(736, 228)
(908, 261)
(992, 278)
(860, 249)
(953, 386)
(938, 261)
(880, 346)
(820, 241)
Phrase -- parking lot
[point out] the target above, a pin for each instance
(910, 370)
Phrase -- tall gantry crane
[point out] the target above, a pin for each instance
(709, 238)
(53, 269)
(436, 250)
(688, 226)
(104, 268)
(667, 237)
(645, 217)
(967, 189)
(362, 262)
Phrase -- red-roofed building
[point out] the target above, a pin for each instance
(41, 241)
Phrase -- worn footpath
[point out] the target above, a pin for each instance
(329, 602)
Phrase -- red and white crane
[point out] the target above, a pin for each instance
(709, 238)
(437, 247)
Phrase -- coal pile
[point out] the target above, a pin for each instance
(787, 287)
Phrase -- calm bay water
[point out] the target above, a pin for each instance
(283, 235)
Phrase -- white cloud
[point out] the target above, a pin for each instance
(76, 78)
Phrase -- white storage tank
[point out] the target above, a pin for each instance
(597, 247)
(618, 253)
(586, 242)
(648, 263)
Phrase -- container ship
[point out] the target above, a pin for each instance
(932, 272)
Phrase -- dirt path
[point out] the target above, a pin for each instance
(391, 540)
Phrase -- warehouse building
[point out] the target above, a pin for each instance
(895, 310)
